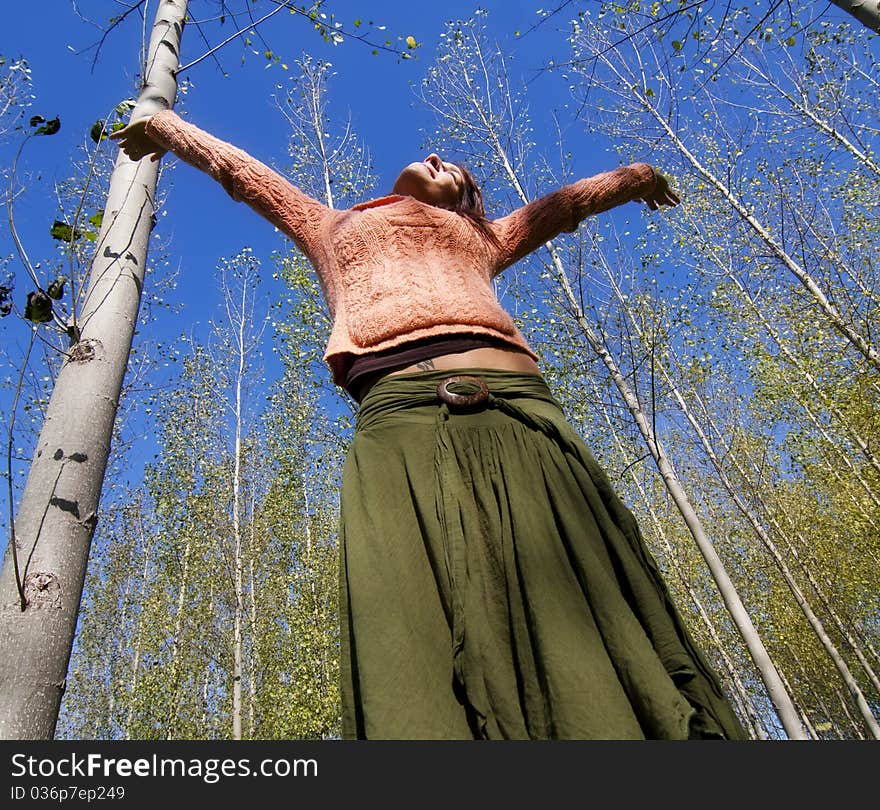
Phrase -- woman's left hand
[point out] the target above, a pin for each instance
(662, 194)
(134, 141)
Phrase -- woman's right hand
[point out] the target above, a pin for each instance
(134, 141)
(662, 194)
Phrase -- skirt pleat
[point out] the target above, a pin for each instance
(494, 586)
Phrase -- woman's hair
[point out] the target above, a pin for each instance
(471, 206)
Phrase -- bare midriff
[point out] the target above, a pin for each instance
(486, 357)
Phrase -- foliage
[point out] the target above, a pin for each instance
(764, 282)
(765, 407)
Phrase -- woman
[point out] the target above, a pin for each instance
(492, 584)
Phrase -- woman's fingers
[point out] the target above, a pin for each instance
(133, 130)
(663, 194)
(134, 141)
(135, 152)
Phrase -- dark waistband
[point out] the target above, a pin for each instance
(365, 369)
(401, 393)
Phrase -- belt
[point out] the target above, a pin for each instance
(468, 382)
(415, 397)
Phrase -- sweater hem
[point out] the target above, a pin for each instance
(338, 363)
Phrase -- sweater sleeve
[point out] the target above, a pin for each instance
(527, 228)
(245, 179)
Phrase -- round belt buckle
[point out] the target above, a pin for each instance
(478, 397)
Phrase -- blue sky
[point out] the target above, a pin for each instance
(201, 222)
(375, 90)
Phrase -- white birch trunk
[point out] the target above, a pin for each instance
(316, 107)
(237, 667)
(867, 12)
(58, 511)
(853, 723)
(252, 661)
(116, 681)
(804, 716)
(775, 688)
(206, 681)
(174, 670)
(136, 658)
(814, 621)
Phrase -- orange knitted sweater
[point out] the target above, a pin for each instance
(394, 269)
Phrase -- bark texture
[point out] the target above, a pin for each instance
(59, 507)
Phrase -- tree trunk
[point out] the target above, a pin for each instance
(239, 340)
(252, 661)
(208, 731)
(804, 716)
(132, 690)
(237, 655)
(174, 667)
(853, 723)
(867, 12)
(804, 372)
(58, 511)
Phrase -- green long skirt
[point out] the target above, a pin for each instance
(494, 586)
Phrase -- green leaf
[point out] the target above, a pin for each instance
(5, 300)
(63, 232)
(411, 42)
(56, 289)
(38, 308)
(97, 219)
(125, 107)
(48, 127)
(677, 45)
(98, 131)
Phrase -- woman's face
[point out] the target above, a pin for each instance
(432, 181)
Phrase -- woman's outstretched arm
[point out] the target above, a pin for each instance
(245, 178)
(527, 228)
